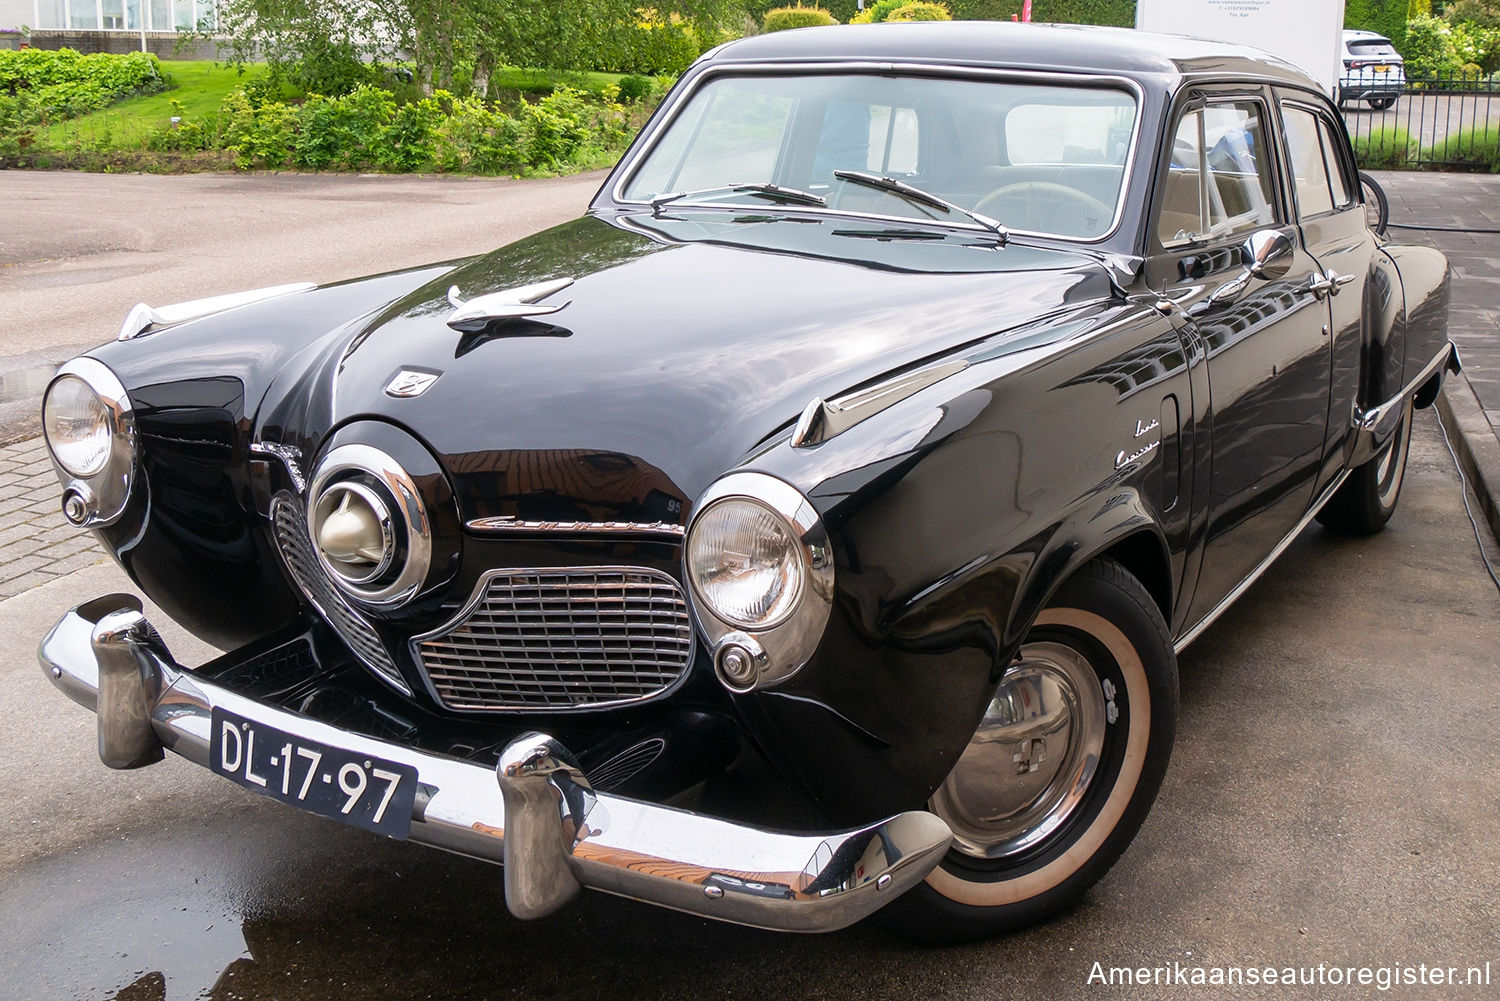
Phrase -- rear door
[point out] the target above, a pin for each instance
(1332, 222)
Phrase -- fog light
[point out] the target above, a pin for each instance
(75, 507)
(740, 660)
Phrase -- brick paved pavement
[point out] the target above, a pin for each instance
(36, 543)
(1460, 202)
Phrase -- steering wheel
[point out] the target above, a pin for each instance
(1047, 207)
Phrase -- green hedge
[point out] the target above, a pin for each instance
(1116, 12)
(1387, 17)
(367, 130)
(783, 18)
(920, 12)
(63, 84)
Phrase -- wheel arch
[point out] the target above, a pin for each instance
(1125, 530)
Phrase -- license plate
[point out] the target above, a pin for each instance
(1382, 69)
(357, 789)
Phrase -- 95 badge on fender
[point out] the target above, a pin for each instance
(357, 789)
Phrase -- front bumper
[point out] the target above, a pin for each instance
(535, 812)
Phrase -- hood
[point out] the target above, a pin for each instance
(684, 343)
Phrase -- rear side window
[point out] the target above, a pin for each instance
(1219, 180)
(1318, 172)
(1309, 173)
(1338, 172)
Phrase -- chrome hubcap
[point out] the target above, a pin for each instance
(1034, 756)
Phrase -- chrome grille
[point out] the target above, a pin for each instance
(571, 638)
(295, 546)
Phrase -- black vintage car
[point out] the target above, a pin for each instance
(809, 527)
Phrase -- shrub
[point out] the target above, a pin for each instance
(1433, 48)
(18, 122)
(1386, 148)
(878, 11)
(783, 18)
(258, 133)
(479, 140)
(343, 131)
(920, 12)
(634, 87)
(409, 142)
(63, 84)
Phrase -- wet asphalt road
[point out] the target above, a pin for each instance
(1333, 799)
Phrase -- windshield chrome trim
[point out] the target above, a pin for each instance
(668, 113)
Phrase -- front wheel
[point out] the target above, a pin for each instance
(1063, 768)
(1368, 497)
(1381, 103)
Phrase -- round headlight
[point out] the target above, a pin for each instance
(78, 426)
(745, 563)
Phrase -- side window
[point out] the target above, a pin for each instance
(1309, 172)
(1338, 171)
(1219, 179)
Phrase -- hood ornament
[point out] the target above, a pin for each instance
(510, 304)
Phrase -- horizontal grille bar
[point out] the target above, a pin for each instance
(561, 639)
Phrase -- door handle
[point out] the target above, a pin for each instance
(1326, 284)
(1320, 285)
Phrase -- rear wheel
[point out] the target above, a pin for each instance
(1381, 103)
(1368, 497)
(1063, 768)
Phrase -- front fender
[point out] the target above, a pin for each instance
(953, 516)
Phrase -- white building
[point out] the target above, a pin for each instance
(111, 15)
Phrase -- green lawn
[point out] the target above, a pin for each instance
(200, 87)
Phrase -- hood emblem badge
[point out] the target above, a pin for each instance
(510, 304)
(411, 382)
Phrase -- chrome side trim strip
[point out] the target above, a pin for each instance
(290, 457)
(1376, 425)
(142, 317)
(535, 811)
(1244, 585)
(509, 525)
(824, 419)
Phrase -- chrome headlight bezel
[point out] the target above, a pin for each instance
(770, 651)
(98, 498)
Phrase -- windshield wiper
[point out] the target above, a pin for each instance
(915, 194)
(765, 189)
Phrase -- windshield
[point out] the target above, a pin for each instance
(1037, 158)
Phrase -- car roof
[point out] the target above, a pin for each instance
(1360, 35)
(1003, 44)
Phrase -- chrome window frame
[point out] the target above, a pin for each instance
(1318, 115)
(664, 119)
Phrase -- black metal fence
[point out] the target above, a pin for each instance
(1450, 121)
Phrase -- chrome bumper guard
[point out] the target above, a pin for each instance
(535, 812)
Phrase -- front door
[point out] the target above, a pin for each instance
(1265, 336)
